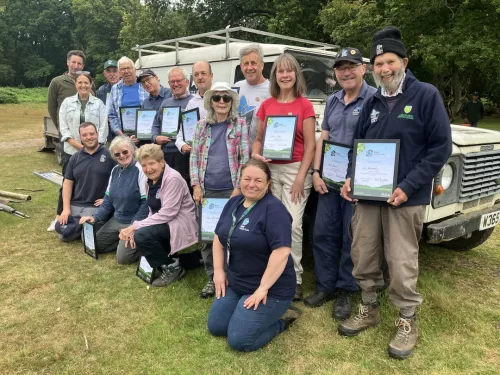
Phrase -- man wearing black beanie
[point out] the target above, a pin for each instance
(412, 111)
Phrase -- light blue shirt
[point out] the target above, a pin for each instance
(115, 102)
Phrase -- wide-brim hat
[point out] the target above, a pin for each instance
(220, 87)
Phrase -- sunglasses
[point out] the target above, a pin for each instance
(124, 153)
(225, 98)
(80, 72)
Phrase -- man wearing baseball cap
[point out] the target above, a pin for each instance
(157, 93)
(332, 242)
(413, 112)
(111, 74)
(473, 111)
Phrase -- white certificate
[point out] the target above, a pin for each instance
(375, 166)
(128, 119)
(89, 240)
(211, 209)
(170, 121)
(189, 120)
(279, 137)
(144, 270)
(334, 161)
(145, 119)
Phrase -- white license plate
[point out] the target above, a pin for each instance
(489, 220)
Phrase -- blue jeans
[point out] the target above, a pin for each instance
(246, 329)
(332, 244)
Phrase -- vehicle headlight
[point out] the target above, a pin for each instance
(447, 176)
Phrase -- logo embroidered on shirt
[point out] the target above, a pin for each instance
(408, 109)
(406, 115)
(356, 111)
(244, 223)
(374, 116)
(157, 196)
(103, 158)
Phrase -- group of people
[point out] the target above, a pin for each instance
(142, 196)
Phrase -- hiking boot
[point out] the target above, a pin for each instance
(402, 345)
(318, 299)
(208, 290)
(298, 293)
(343, 305)
(290, 316)
(368, 316)
(169, 274)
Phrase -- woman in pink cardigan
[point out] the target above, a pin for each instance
(171, 224)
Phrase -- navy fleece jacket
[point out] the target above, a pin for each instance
(419, 120)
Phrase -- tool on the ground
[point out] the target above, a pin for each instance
(10, 210)
(8, 194)
(32, 190)
(7, 201)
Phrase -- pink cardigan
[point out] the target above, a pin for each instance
(177, 210)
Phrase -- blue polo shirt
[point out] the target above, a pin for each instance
(154, 102)
(340, 119)
(130, 96)
(268, 226)
(90, 174)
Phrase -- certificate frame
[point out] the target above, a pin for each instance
(142, 271)
(129, 131)
(208, 237)
(329, 147)
(236, 89)
(86, 246)
(144, 136)
(367, 192)
(163, 130)
(283, 154)
(188, 137)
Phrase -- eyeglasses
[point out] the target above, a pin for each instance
(80, 72)
(117, 154)
(146, 80)
(127, 68)
(345, 69)
(176, 82)
(225, 98)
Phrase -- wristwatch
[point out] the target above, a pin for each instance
(316, 170)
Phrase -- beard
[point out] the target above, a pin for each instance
(393, 85)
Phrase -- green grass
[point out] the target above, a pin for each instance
(28, 95)
(62, 312)
(492, 123)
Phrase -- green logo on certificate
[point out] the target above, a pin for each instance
(408, 109)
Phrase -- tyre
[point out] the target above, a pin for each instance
(59, 151)
(464, 244)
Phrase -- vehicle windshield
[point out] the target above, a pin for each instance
(318, 74)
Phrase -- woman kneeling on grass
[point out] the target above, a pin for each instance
(255, 230)
(125, 201)
(171, 224)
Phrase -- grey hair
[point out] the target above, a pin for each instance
(211, 116)
(119, 141)
(125, 59)
(252, 48)
(177, 69)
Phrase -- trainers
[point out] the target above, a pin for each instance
(170, 273)
(318, 299)
(208, 290)
(298, 293)
(368, 316)
(343, 305)
(290, 316)
(52, 226)
(402, 345)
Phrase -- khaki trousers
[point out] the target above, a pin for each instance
(283, 177)
(381, 231)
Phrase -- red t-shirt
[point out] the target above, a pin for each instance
(300, 107)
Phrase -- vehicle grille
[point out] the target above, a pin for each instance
(480, 175)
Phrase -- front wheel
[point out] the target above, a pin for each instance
(464, 244)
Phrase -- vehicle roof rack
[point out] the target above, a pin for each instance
(225, 35)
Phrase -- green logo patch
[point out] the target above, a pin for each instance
(408, 109)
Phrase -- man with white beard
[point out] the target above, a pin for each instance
(412, 111)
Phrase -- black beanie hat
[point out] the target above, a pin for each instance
(387, 40)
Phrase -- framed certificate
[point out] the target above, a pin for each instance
(144, 271)
(89, 240)
(171, 121)
(334, 161)
(236, 90)
(144, 120)
(374, 168)
(189, 119)
(279, 136)
(128, 119)
(211, 209)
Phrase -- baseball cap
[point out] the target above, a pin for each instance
(109, 63)
(70, 230)
(146, 73)
(349, 54)
(475, 93)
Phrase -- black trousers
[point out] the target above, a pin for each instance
(65, 159)
(153, 242)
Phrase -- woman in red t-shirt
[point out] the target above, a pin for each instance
(291, 180)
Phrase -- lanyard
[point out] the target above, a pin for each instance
(236, 222)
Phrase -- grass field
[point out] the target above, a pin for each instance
(62, 312)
